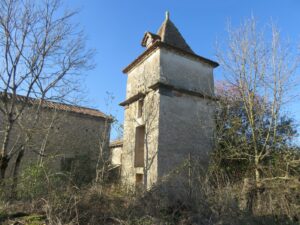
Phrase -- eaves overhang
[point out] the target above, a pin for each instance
(160, 44)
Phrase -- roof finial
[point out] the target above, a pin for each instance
(167, 15)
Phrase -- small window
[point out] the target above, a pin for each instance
(139, 180)
(140, 108)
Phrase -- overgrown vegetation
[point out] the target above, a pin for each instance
(210, 199)
(253, 176)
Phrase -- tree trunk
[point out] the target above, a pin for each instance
(4, 158)
(3, 166)
(16, 171)
(247, 197)
(257, 185)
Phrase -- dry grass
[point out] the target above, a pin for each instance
(213, 202)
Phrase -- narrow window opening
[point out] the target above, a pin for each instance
(140, 108)
(139, 180)
(139, 146)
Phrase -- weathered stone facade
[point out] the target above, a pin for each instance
(116, 152)
(170, 103)
(65, 136)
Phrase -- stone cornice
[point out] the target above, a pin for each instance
(132, 99)
(159, 85)
(159, 44)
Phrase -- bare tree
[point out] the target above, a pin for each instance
(42, 56)
(261, 73)
(103, 159)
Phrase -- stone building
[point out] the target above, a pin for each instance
(169, 108)
(66, 136)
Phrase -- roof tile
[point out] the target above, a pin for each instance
(169, 34)
(60, 106)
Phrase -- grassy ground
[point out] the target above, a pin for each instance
(94, 205)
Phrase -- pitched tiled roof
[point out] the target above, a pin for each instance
(169, 34)
(168, 37)
(61, 106)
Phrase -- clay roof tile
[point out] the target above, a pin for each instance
(60, 106)
(169, 34)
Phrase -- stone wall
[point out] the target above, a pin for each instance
(186, 72)
(186, 120)
(186, 126)
(67, 140)
(150, 121)
(116, 155)
(143, 75)
(178, 114)
(139, 79)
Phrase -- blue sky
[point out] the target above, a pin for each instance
(115, 29)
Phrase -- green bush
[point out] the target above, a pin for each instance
(37, 181)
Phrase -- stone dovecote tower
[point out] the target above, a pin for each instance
(169, 107)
